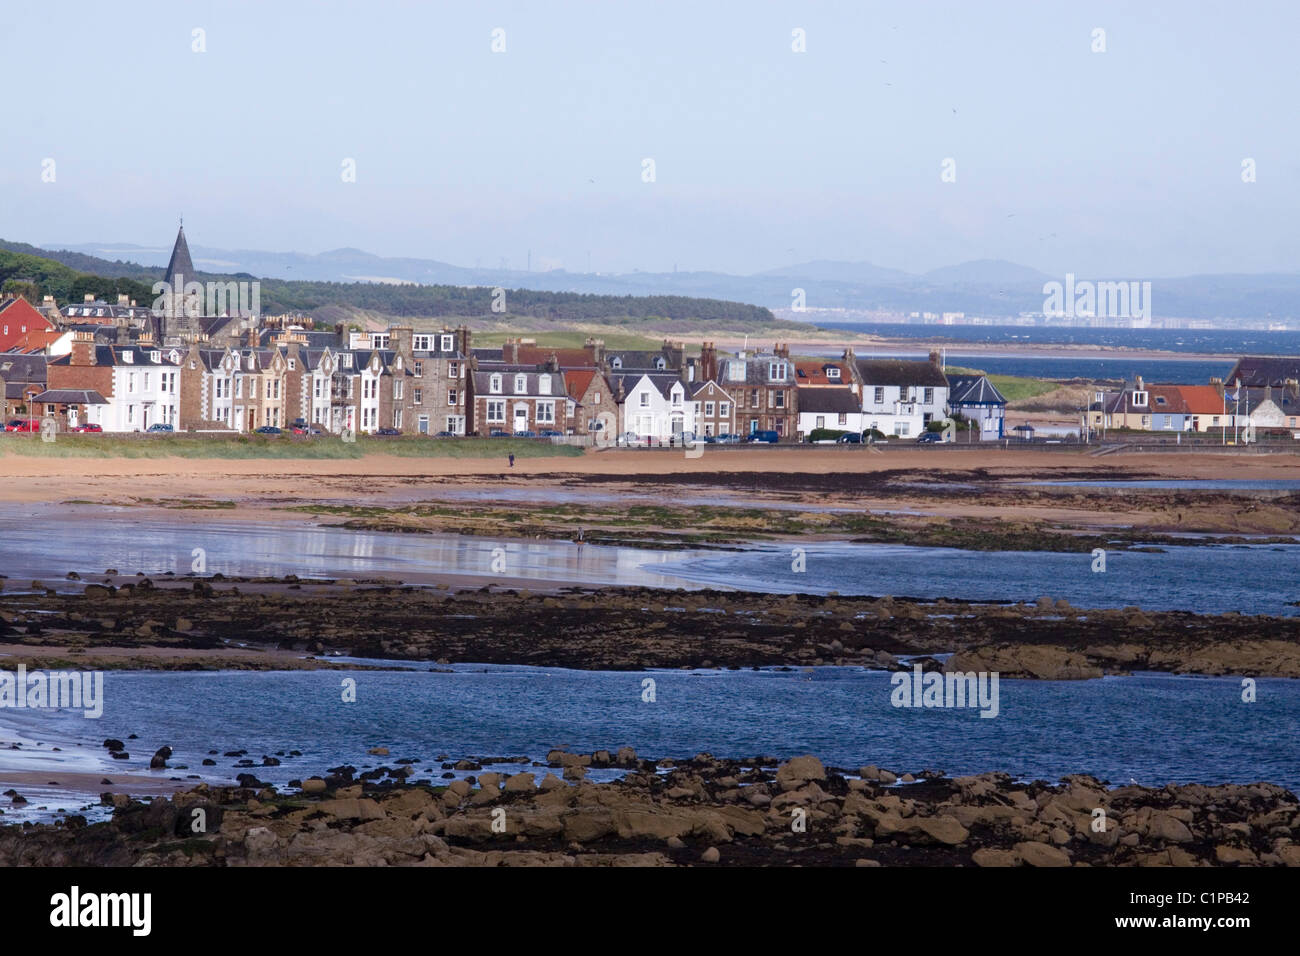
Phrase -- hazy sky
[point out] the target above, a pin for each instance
(1126, 163)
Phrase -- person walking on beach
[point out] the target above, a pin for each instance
(512, 459)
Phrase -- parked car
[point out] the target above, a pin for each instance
(849, 438)
(550, 433)
(388, 432)
(726, 438)
(526, 434)
(930, 438)
(24, 425)
(445, 435)
(306, 429)
(86, 427)
(268, 430)
(770, 438)
(159, 427)
(498, 433)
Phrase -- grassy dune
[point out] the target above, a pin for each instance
(282, 446)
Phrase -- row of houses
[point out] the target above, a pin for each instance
(1220, 407)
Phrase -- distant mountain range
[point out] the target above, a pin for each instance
(985, 287)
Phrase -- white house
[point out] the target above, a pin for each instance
(146, 388)
(900, 398)
(653, 406)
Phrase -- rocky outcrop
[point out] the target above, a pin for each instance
(702, 811)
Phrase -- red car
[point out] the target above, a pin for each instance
(87, 427)
(24, 425)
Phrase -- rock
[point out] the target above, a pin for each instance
(552, 782)
(520, 783)
(1040, 661)
(990, 857)
(313, 785)
(626, 757)
(1241, 855)
(1165, 826)
(711, 855)
(160, 758)
(114, 744)
(574, 772)
(1035, 853)
(378, 751)
(796, 772)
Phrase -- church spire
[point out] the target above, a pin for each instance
(181, 268)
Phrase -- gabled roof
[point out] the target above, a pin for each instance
(567, 358)
(973, 390)
(23, 368)
(877, 372)
(1202, 399)
(808, 373)
(1165, 400)
(577, 381)
(698, 387)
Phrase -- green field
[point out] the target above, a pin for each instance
(282, 446)
(1013, 388)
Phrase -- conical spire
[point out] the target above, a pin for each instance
(181, 268)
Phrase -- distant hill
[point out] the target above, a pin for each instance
(985, 287)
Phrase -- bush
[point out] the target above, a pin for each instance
(825, 434)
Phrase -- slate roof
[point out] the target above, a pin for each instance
(877, 372)
(829, 400)
(180, 268)
(973, 390)
(1256, 372)
(71, 396)
(483, 383)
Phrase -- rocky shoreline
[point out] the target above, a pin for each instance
(702, 811)
(214, 623)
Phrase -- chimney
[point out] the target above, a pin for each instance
(47, 300)
(935, 359)
(708, 362)
(510, 351)
(781, 350)
(1140, 384)
(123, 299)
(250, 338)
(89, 297)
(83, 348)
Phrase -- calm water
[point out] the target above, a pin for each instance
(1254, 579)
(1156, 728)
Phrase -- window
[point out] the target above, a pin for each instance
(928, 397)
(521, 384)
(708, 409)
(421, 342)
(879, 398)
(677, 398)
(780, 399)
(452, 396)
(453, 370)
(660, 364)
(398, 388)
(496, 411)
(645, 399)
(494, 385)
(616, 362)
(546, 413)
(833, 373)
(293, 365)
(595, 398)
(447, 343)
(820, 421)
(753, 397)
(130, 382)
(347, 359)
(419, 368)
(417, 396)
(317, 384)
(844, 418)
(1140, 399)
(146, 381)
(397, 418)
(724, 409)
(776, 371)
(543, 385)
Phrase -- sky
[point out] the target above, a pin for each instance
(1123, 163)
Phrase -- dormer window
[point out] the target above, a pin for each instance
(543, 385)
(1140, 399)
(347, 359)
(776, 371)
(155, 357)
(833, 373)
(494, 385)
(447, 343)
(616, 362)
(128, 358)
(521, 384)
(660, 364)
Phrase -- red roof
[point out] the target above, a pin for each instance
(577, 381)
(1202, 399)
(814, 373)
(17, 318)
